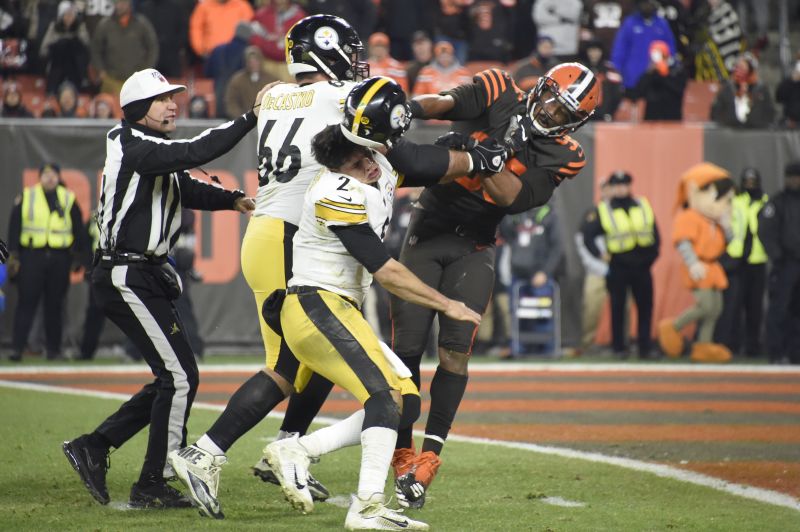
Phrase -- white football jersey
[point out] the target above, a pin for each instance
(320, 259)
(290, 116)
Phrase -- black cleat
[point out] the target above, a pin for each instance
(91, 463)
(158, 496)
(263, 471)
(409, 491)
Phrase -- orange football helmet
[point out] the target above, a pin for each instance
(563, 99)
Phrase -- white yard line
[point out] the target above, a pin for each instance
(664, 471)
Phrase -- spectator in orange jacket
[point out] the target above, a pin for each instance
(444, 72)
(213, 22)
(382, 64)
(700, 233)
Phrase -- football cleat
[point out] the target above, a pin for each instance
(318, 491)
(91, 463)
(372, 514)
(412, 487)
(402, 460)
(157, 496)
(198, 470)
(289, 461)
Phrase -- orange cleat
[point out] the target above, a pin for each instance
(412, 487)
(402, 460)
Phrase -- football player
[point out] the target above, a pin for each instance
(198, 465)
(337, 250)
(450, 238)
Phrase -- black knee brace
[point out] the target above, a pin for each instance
(380, 410)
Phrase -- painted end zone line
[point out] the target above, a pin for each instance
(664, 471)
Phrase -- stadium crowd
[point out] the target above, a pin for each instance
(69, 58)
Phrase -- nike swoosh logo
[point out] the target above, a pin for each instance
(401, 524)
(346, 199)
(297, 483)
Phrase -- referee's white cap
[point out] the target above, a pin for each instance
(146, 84)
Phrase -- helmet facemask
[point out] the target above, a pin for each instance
(554, 112)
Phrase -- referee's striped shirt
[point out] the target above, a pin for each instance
(145, 183)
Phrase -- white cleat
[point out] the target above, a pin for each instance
(198, 470)
(372, 514)
(289, 461)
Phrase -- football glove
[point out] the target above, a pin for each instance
(456, 141)
(3, 252)
(488, 157)
(519, 138)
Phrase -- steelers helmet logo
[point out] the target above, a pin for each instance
(398, 118)
(326, 38)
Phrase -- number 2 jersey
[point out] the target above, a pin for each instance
(493, 106)
(333, 199)
(290, 116)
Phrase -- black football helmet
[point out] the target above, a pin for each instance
(376, 113)
(325, 44)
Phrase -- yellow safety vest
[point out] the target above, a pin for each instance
(744, 217)
(42, 227)
(626, 229)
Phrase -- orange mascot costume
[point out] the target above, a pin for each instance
(700, 233)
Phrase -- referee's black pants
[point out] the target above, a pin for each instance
(132, 297)
(43, 272)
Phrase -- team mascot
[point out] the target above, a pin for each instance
(700, 233)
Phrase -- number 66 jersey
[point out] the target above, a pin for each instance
(333, 199)
(290, 116)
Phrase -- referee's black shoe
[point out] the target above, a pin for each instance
(159, 496)
(91, 463)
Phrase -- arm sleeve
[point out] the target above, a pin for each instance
(363, 244)
(537, 188)
(472, 99)
(196, 194)
(151, 156)
(420, 165)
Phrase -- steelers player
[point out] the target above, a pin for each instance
(379, 109)
(451, 233)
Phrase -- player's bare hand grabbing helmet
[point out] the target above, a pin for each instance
(326, 44)
(376, 113)
(563, 100)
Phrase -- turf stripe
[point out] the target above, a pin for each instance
(748, 492)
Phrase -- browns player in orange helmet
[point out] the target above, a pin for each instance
(450, 239)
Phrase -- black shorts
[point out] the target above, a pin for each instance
(460, 267)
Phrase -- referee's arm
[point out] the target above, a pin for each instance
(149, 155)
(196, 194)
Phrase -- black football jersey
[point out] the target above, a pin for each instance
(493, 106)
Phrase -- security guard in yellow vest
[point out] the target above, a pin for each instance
(45, 230)
(745, 263)
(632, 242)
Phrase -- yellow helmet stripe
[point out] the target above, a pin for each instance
(365, 101)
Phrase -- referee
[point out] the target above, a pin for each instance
(145, 185)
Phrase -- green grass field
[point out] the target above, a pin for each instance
(481, 487)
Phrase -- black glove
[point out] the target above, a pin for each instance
(3, 252)
(516, 143)
(488, 157)
(456, 141)
(416, 109)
